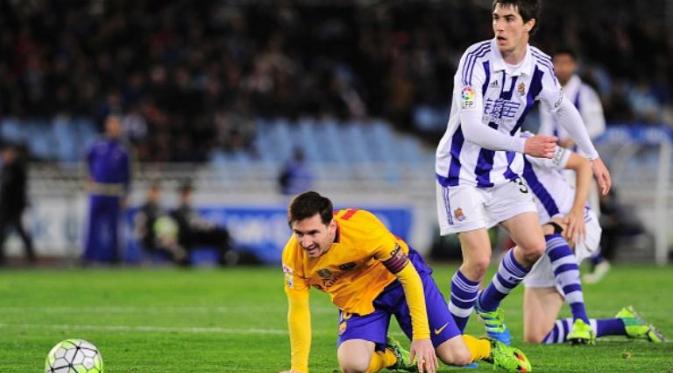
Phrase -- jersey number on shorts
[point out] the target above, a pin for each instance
(523, 188)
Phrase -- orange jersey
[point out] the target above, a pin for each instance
(351, 271)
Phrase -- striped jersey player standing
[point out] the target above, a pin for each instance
(495, 86)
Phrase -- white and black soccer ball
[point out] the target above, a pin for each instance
(74, 356)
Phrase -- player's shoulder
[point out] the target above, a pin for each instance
(479, 49)
(354, 215)
(291, 250)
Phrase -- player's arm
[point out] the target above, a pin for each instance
(574, 220)
(299, 326)
(468, 90)
(421, 347)
(298, 312)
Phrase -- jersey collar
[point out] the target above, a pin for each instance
(526, 68)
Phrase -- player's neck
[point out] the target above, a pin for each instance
(515, 56)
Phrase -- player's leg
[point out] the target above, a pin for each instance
(515, 265)
(355, 355)
(460, 209)
(476, 249)
(541, 306)
(363, 346)
(91, 241)
(513, 205)
(25, 237)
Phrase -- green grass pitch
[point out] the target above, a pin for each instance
(234, 320)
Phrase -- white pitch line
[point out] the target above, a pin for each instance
(151, 329)
(160, 309)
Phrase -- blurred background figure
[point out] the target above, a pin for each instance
(14, 200)
(155, 230)
(620, 228)
(194, 231)
(295, 177)
(108, 182)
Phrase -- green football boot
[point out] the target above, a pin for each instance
(403, 363)
(508, 358)
(494, 321)
(637, 327)
(581, 334)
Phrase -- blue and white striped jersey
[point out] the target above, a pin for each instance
(587, 102)
(501, 95)
(554, 196)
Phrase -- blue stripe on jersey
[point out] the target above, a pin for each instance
(457, 141)
(576, 101)
(486, 156)
(485, 165)
(544, 60)
(509, 174)
(533, 92)
(538, 189)
(471, 59)
(487, 71)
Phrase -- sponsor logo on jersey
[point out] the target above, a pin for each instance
(324, 273)
(347, 266)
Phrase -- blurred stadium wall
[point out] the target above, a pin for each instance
(221, 92)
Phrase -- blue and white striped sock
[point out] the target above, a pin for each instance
(567, 274)
(509, 275)
(463, 295)
(601, 327)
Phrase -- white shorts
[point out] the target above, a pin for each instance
(542, 274)
(465, 208)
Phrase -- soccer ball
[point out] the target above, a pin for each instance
(74, 356)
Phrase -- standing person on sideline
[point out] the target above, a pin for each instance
(295, 177)
(588, 103)
(109, 177)
(568, 222)
(495, 86)
(13, 200)
(371, 275)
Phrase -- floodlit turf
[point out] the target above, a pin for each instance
(167, 320)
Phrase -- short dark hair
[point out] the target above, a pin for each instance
(566, 50)
(308, 204)
(528, 9)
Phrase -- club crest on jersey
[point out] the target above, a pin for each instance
(467, 98)
(458, 214)
(324, 273)
(521, 89)
(347, 266)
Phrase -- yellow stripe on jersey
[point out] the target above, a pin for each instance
(351, 270)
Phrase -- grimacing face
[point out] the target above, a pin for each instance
(510, 31)
(314, 236)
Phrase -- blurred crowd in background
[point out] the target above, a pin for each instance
(192, 76)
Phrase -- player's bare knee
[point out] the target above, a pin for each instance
(475, 269)
(533, 250)
(459, 357)
(454, 352)
(354, 365)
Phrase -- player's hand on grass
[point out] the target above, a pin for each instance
(424, 353)
(602, 175)
(540, 146)
(575, 228)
